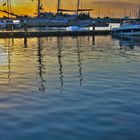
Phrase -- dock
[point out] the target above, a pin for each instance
(22, 34)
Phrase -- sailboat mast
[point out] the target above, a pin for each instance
(9, 8)
(78, 5)
(58, 6)
(139, 12)
(38, 8)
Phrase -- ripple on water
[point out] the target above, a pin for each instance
(69, 88)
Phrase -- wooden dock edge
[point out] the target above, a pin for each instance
(22, 34)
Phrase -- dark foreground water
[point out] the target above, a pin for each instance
(70, 88)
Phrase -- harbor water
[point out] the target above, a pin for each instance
(70, 88)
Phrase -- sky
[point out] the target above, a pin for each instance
(101, 7)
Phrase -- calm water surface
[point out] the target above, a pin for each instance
(70, 88)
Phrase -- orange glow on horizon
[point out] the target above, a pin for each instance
(103, 8)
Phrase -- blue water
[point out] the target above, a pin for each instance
(70, 88)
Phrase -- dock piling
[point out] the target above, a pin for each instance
(93, 27)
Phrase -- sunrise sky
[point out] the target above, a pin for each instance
(101, 7)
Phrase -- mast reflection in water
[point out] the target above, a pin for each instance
(41, 60)
(41, 67)
(60, 60)
(90, 84)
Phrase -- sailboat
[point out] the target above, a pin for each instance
(8, 22)
(49, 19)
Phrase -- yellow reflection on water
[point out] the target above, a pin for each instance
(51, 62)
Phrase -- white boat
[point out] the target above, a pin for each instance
(128, 28)
(76, 28)
(72, 28)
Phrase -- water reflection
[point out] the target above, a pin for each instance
(25, 42)
(41, 67)
(128, 42)
(10, 44)
(109, 92)
(93, 40)
(45, 55)
(59, 45)
(79, 62)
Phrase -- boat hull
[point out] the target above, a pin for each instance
(58, 23)
(133, 30)
(128, 33)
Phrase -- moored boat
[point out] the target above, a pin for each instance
(10, 24)
(63, 18)
(128, 27)
(2, 25)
